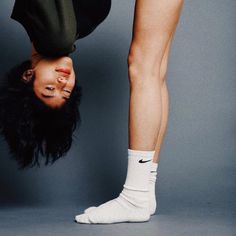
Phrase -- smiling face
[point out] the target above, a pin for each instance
(54, 80)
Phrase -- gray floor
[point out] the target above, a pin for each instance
(181, 220)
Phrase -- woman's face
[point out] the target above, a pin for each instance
(54, 80)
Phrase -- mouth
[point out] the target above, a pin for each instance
(64, 70)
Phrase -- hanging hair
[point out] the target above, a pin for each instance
(34, 131)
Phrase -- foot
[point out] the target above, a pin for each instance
(152, 196)
(152, 205)
(121, 209)
(132, 205)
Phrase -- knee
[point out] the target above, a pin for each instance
(143, 65)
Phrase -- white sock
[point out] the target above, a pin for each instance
(152, 190)
(132, 204)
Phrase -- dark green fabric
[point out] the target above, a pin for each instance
(54, 25)
(89, 14)
(50, 24)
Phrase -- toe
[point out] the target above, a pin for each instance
(83, 218)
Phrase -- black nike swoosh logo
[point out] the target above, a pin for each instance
(142, 161)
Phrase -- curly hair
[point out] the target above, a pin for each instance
(33, 130)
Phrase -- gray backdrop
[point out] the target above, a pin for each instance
(198, 157)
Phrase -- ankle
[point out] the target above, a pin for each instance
(136, 198)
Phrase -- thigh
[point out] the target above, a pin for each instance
(154, 23)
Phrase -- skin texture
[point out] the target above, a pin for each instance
(154, 24)
(51, 85)
(164, 102)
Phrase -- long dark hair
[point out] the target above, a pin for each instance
(33, 130)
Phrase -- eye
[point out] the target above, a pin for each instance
(50, 88)
(67, 91)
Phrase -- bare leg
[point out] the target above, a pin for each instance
(164, 101)
(164, 120)
(154, 23)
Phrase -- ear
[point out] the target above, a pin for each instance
(27, 75)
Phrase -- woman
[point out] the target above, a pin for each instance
(39, 105)
(154, 25)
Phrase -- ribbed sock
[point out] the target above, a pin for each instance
(132, 204)
(152, 191)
